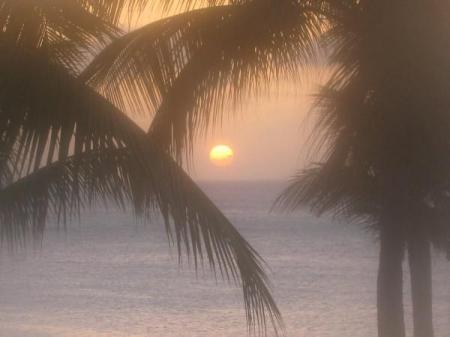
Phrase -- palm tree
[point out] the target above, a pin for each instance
(383, 128)
(65, 146)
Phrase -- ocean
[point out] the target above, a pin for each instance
(110, 276)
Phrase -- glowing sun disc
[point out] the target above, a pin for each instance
(221, 155)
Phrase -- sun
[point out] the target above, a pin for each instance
(221, 155)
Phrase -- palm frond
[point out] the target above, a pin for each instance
(46, 114)
(148, 183)
(344, 192)
(116, 10)
(65, 30)
(64, 148)
(186, 67)
(185, 5)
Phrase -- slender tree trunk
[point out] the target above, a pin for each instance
(390, 284)
(421, 287)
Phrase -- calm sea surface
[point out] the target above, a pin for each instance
(108, 276)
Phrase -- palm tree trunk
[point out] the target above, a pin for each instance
(390, 284)
(421, 285)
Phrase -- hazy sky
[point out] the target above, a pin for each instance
(267, 135)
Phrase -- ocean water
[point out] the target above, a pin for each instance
(108, 276)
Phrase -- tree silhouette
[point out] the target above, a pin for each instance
(383, 127)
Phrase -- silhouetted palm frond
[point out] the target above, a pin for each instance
(333, 190)
(46, 114)
(187, 66)
(151, 183)
(184, 5)
(65, 148)
(115, 10)
(69, 185)
(65, 30)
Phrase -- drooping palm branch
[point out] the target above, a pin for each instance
(66, 30)
(192, 221)
(64, 148)
(185, 67)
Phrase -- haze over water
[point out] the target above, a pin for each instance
(109, 276)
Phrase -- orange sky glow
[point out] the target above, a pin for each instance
(268, 132)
